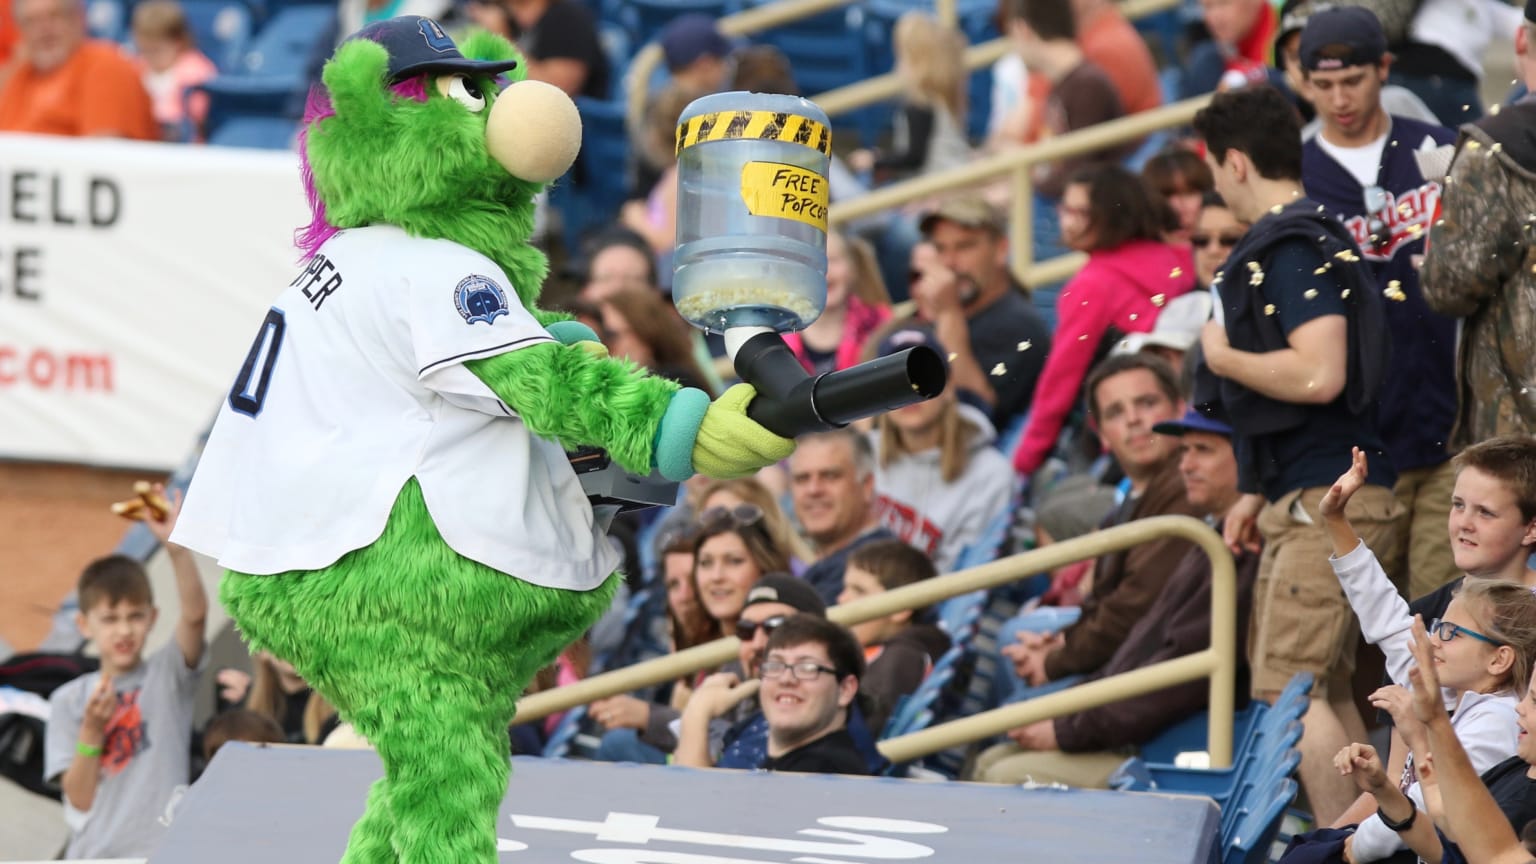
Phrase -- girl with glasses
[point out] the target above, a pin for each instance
(1483, 649)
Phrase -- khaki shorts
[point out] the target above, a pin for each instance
(1301, 619)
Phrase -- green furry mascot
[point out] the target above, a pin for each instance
(387, 482)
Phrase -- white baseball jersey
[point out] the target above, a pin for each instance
(354, 384)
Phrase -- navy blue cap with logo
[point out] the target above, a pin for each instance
(1354, 29)
(417, 45)
(1193, 420)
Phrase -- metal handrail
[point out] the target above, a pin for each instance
(1018, 162)
(1218, 662)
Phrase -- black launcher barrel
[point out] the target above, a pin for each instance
(791, 402)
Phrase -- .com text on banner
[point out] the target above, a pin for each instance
(132, 279)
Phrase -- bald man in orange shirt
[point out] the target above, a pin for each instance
(68, 84)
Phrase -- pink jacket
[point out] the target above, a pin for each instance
(862, 320)
(1121, 288)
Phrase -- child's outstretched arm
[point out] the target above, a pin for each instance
(193, 599)
(1337, 498)
(1479, 826)
(1384, 616)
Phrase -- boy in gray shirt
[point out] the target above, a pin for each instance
(121, 737)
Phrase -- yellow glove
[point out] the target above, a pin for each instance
(730, 444)
(596, 349)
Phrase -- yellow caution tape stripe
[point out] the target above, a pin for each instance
(760, 125)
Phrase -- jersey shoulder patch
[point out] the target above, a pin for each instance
(479, 298)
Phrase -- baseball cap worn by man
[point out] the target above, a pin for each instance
(1341, 37)
(417, 45)
(689, 37)
(969, 212)
(911, 336)
(789, 590)
(1193, 421)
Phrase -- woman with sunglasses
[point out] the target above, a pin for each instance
(1109, 213)
(750, 490)
(1484, 646)
(733, 551)
(1216, 231)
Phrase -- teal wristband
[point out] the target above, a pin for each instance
(677, 432)
(571, 332)
(87, 750)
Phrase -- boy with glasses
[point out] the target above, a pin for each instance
(1361, 168)
(810, 682)
(720, 706)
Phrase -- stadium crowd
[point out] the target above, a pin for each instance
(1303, 321)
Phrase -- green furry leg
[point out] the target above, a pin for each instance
(425, 653)
(372, 838)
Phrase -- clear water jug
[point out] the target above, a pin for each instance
(752, 202)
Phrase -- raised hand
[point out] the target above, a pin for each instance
(1363, 763)
(1338, 495)
(99, 709)
(1427, 702)
(1397, 701)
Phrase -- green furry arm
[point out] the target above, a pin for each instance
(548, 317)
(566, 394)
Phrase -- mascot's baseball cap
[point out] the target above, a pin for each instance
(1349, 35)
(416, 45)
(787, 589)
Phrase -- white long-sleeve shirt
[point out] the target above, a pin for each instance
(1484, 722)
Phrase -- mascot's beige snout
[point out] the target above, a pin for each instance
(526, 106)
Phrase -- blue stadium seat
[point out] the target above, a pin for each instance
(638, 642)
(293, 44)
(1257, 825)
(590, 194)
(105, 19)
(1191, 733)
(984, 549)
(959, 615)
(236, 99)
(264, 133)
(644, 19)
(826, 51)
(1266, 752)
(619, 49)
(222, 29)
(918, 709)
(562, 740)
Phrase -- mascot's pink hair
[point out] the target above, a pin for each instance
(316, 108)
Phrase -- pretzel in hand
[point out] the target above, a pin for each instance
(147, 504)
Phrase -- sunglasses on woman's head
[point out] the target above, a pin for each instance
(741, 516)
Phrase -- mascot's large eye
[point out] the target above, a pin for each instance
(463, 90)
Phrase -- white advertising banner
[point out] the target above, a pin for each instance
(133, 278)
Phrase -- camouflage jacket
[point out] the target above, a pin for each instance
(1479, 267)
